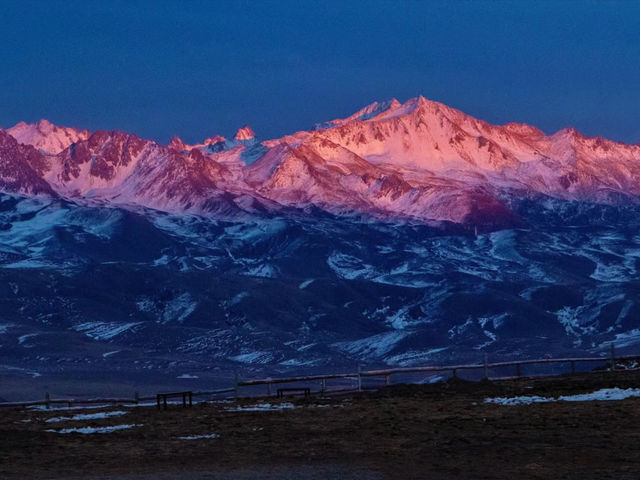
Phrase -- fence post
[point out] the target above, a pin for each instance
(486, 366)
(454, 373)
(518, 372)
(573, 367)
(388, 379)
(47, 398)
(136, 398)
(237, 387)
(324, 385)
(359, 378)
(613, 357)
(269, 388)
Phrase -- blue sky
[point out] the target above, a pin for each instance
(199, 68)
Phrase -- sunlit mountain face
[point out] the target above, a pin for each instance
(408, 233)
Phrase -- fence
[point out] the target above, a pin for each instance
(48, 402)
(357, 377)
(453, 370)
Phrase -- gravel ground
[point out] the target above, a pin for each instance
(435, 432)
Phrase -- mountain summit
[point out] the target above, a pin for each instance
(47, 137)
(245, 133)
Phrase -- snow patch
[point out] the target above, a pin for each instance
(349, 267)
(104, 330)
(24, 338)
(263, 407)
(31, 373)
(4, 327)
(413, 357)
(375, 346)
(626, 339)
(264, 270)
(605, 394)
(178, 309)
(87, 416)
(252, 357)
(200, 437)
(90, 430)
(306, 283)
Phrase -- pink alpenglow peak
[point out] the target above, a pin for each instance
(214, 140)
(245, 133)
(177, 144)
(419, 160)
(46, 137)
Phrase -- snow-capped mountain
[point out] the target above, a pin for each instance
(416, 160)
(404, 234)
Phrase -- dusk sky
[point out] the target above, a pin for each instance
(197, 69)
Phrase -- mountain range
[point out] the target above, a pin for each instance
(419, 160)
(406, 233)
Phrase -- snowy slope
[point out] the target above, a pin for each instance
(93, 288)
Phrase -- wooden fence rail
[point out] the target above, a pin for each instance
(48, 401)
(611, 360)
(454, 369)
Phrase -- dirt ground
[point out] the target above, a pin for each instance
(437, 432)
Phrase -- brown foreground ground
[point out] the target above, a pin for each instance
(437, 432)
